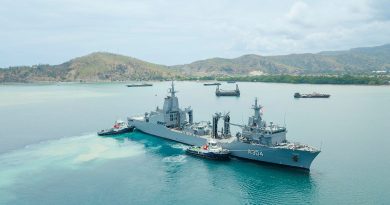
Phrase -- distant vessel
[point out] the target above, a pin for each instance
(209, 84)
(211, 150)
(219, 92)
(139, 85)
(231, 81)
(258, 140)
(313, 95)
(119, 127)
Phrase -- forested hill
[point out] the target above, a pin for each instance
(353, 61)
(95, 67)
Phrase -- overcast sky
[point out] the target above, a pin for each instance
(181, 31)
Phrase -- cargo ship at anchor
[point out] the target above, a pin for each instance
(220, 92)
(257, 141)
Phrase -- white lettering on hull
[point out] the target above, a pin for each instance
(255, 152)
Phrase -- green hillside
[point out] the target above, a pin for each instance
(237, 66)
(354, 61)
(102, 66)
(99, 66)
(112, 67)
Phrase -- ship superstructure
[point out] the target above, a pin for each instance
(220, 92)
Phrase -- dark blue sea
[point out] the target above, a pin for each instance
(50, 153)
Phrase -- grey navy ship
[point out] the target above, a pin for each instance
(258, 140)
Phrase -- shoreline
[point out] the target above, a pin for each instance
(180, 80)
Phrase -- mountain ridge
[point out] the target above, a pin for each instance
(94, 67)
(105, 66)
(353, 61)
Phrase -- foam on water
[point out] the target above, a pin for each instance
(179, 159)
(179, 146)
(65, 153)
(154, 148)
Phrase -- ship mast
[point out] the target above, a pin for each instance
(257, 115)
(172, 90)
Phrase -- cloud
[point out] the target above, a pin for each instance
(380, 10)
(177, 31)
(309, 26)
(297, 12)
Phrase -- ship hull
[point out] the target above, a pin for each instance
(233, 94)
(255, 152)
(286, 157)
(325, 96)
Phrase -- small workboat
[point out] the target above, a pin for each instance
(210, 84)
(119, 127)
(313, 95)
(211, 150)
(140, 85)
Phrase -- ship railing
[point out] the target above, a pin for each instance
(296, 146)
(136, 117)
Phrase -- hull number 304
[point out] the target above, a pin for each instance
(255, 152)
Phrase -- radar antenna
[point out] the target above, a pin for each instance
(172, 90)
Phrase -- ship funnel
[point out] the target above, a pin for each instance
(226, 120)
(190, 117)
(215, 125)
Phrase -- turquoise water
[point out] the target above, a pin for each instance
(50, 154)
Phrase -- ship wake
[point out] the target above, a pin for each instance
(65, 153)
(179, 159)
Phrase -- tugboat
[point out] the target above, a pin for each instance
(119, 127)
(211, 150)
(313, 95)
